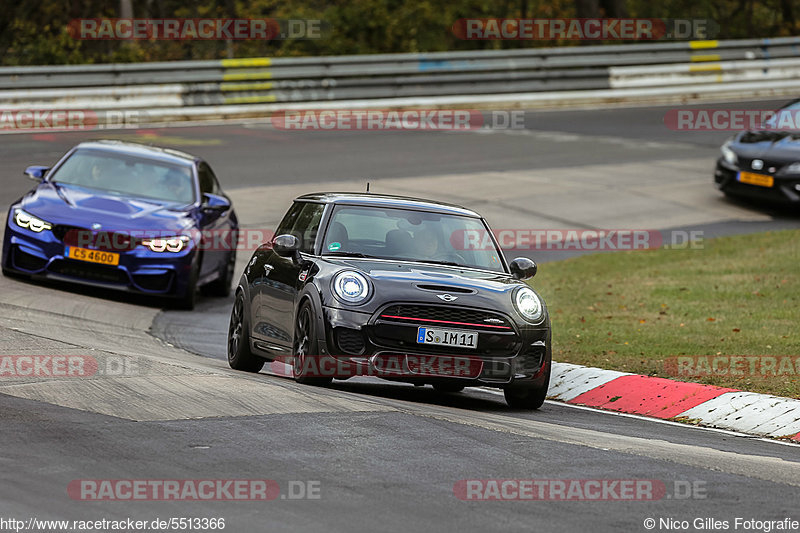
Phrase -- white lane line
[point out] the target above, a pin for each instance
(655, 420)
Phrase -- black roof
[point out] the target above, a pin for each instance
(387, 200)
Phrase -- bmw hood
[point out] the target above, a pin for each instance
(60, 204)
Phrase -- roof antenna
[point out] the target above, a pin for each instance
(367, 186)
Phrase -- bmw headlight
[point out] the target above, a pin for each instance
(528, 304)
(794, 168)
(166, 244)
(351, 287)
(729, 155)
(28, 221)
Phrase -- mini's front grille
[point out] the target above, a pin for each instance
(27, 261)
(350, 341)
(446, 316)
(89, 271)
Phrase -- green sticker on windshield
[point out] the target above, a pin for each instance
(334, 246)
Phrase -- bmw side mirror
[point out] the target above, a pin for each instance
(36, 172)
(286, 246)
(214, 203)
(523, 268)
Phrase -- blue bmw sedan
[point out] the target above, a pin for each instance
(125, 216)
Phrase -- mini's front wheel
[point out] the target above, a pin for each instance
(306, 349)
(529, 398)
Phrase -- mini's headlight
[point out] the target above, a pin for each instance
(351, 287)
(26, 220)
(166, 244)
(728, 154)
(794, 168)
(528, 304)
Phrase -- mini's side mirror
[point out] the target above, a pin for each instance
(36, 172)
(214, 203)
(286, 245)
(523, 268)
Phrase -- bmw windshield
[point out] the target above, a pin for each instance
(408, 235)
(127, 175)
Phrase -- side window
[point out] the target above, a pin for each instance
(287, 223)
(306, 226)
(208, 181)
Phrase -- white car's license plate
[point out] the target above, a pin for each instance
(447, 337)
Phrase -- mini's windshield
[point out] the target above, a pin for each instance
(127, 175)
(389, 233)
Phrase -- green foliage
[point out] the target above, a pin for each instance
(34, 31)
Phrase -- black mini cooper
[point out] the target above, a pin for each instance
(400, 288)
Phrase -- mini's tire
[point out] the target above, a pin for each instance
(528, 398)
(239, 355)
(305, 344)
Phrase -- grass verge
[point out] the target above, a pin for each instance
(659, 312)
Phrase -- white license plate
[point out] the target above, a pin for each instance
(447, 337)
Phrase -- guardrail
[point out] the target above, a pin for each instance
(526, 77)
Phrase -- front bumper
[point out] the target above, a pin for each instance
(43, 255)
(369, 344)
(785, 189)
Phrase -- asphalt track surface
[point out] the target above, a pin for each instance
(385, 456)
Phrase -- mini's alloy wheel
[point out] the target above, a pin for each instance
(306, 357)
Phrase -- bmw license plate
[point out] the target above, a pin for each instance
(447, 337)
(92, 256)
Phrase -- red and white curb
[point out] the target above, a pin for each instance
(707, 405)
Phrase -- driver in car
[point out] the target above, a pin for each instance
(177, 183)
(101, 170)
(426, 243)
